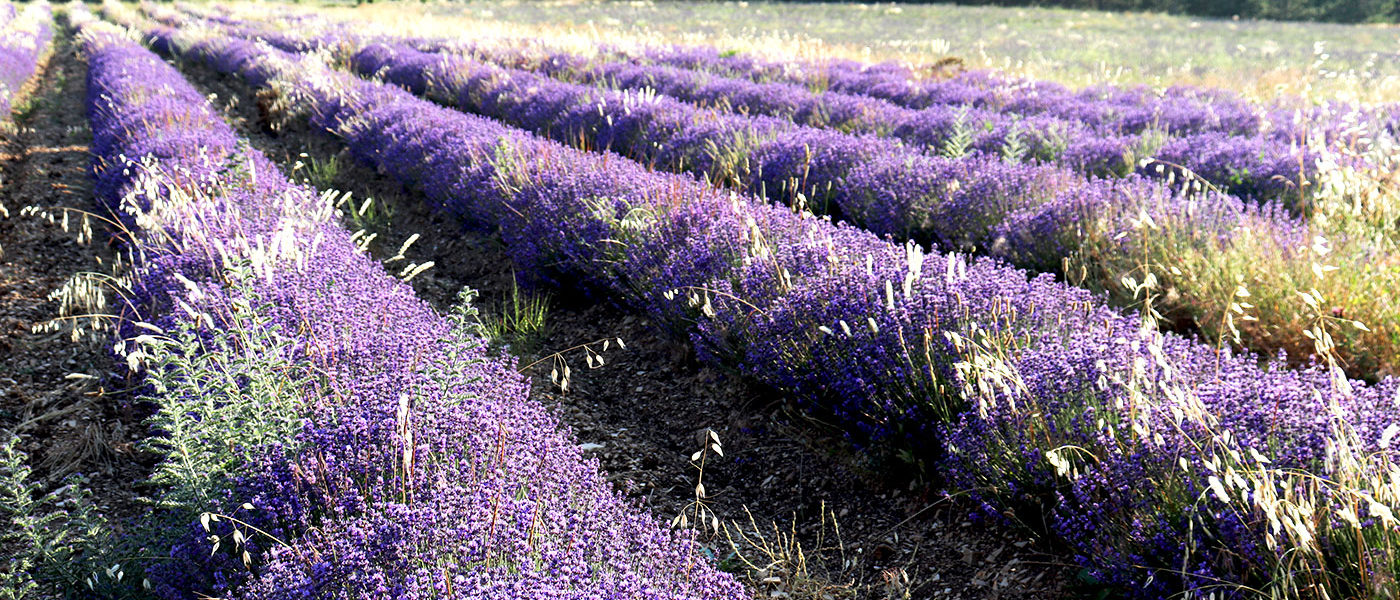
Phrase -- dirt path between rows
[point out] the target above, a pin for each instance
(55, 393)
(648, 409)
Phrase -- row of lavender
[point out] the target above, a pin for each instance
(1102, 131)
(1107, 109)
(1036, 217)
(415, 465)
(1261, 167)
(898, 344)
(24, 39)
(1104, 108)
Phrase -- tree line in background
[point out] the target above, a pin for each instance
(1341, 11)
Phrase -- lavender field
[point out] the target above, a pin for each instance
(686, 301)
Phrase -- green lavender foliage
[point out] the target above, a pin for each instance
(58, 540)
(468, 331)
(17, 501)
(1015, 148)
(218, 391)
(960, 141)
(221, 391)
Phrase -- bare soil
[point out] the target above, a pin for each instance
(650, 407)
(57, 394)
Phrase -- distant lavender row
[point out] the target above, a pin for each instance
(1257, 166)
(23, 41)
(873, 333)
(1106, 108)
(290, 42)
(423, 469)
(1218, 117)
(876, 183)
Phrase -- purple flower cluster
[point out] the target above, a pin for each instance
(423, 469)
(877, 335)
(24, 39)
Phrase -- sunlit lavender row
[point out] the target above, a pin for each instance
(1165, 464)
(1215, 143)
